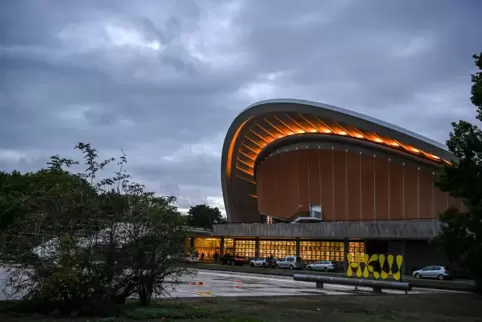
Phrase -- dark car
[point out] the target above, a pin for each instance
(270, 262)
(233, 260)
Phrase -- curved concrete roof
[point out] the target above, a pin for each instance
(240, 198)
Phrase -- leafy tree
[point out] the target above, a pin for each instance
(204, 216)
(83, 243)
(461, 234)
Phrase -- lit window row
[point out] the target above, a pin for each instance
(245, 248)
(314, 250)
(309, 250)
(278, 249)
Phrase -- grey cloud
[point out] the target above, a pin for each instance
(169, 75)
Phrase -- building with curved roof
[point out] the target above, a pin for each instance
(281, 157)
(317, 181)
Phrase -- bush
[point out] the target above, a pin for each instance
(86, 244)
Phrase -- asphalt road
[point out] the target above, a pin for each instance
(208, 283)
(217, 283)
(456, 285)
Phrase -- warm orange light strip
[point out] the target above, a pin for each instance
(267, 140)
(231, 149)
(283, 134)
(251, 149)
(246, 163)
(266, 131)
(312, 125)
(247, 155)
(248, 172)
(285, 125)
(315, 129)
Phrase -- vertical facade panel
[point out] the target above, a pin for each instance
(260, 189)
(302, 173)
(326, 185)
(272, 193)
(396, 190)
(425, 194)
(268, 208)
(339, 159)
(313, 168)
(364, 187)
(440, 199)
(354, 182)
(368, 186)
(410, 192)
(381, 188)
(289, 169)
(278, 192)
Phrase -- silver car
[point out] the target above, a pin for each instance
(291, 262)
(322, 266)
(437, 271)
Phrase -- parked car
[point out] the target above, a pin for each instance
(263, 262)
(327, 266)
(437, 271)
(233, 260)
(291, 262)
(192, 258)
(257, 262)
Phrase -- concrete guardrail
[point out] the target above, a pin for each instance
(377, 286)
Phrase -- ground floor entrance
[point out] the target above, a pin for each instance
(415, 253)
(309, 250)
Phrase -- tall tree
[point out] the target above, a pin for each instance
(461, 234)
(204, 216)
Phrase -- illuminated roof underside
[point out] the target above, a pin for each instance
(264, 124)
(268, 129)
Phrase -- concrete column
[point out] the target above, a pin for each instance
(221, 246)
(256, 247)
(297, 247)
(192, 244)
(234, 247)
(346, 242)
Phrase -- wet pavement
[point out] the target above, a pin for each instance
(213, 284)
(208, 283)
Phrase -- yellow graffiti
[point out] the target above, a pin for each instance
(379, 266)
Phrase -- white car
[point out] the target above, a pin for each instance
(257, 262)
(438, 272)
(192, 258)
(326, 266)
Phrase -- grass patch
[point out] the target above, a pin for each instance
(450, 307)
(150, 313)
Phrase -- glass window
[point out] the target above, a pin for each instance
(277, 248)
(228, 246)
(246, 248)
(356, 248)
(322, 250)
(207, 246)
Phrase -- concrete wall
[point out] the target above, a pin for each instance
(416, 254)
(408, 229)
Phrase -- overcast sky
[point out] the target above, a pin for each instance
(163, 80)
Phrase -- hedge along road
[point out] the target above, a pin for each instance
(454, 285)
